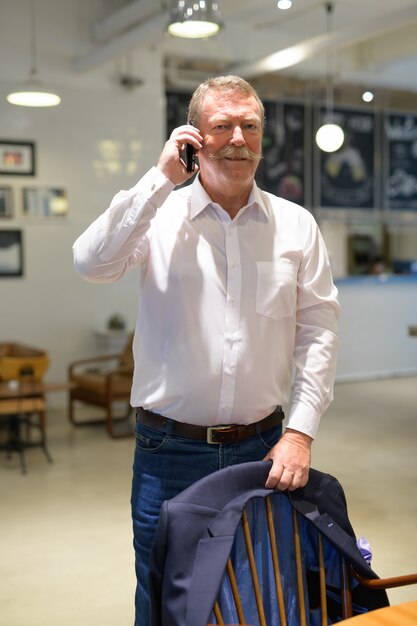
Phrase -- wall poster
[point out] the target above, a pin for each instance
(347, 177)
(401, 188)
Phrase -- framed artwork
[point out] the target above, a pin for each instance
(17, 158)
(11, 253)
(6, 202)
(45, 202)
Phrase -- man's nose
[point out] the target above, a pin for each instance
(237, 137)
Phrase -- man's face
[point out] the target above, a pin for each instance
(231, 126)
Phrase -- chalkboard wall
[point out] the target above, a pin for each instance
(346, 179)
(401, 186)
(347, 175)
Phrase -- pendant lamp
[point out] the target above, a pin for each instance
(330, 135)
(194, 19)
(33, 93)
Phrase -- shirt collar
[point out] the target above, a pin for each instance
(200, 200)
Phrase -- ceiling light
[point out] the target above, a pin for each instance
(33, 93)
(330, 136)
(194, 18)
(367, 96)
(284, 4)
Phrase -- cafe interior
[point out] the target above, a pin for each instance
(108, 81)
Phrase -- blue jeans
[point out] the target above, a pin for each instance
(166, 464)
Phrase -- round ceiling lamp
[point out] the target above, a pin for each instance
(33, 93)
(330, 135)
(284, 4)
(194, 19)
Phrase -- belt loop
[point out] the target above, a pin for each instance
(170, 426)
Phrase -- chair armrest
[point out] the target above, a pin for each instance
(98, 359)
(385, 583)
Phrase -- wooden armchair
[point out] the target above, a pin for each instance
(228, 551)
(103, 381)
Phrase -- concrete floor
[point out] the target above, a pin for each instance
(65, 541)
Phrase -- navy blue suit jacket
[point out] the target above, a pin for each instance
(196, 530)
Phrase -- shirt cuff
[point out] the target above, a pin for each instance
(305, 419)
(154, 186)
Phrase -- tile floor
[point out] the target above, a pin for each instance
(65, 541)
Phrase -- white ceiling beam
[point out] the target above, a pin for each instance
(126, 17)
(381, 51)
(146, 33)
(298, 53)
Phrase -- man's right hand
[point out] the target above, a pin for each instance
(170, 162)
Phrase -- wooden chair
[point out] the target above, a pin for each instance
(228, 551)
(103, 381)
(22, 399)
(322, 588)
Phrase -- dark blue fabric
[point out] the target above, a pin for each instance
(196, 532)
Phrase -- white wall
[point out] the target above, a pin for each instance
(374, 320)
(99, 140)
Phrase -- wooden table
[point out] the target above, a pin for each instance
(19, 402)
(398, 615)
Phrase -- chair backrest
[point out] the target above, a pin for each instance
(282, 571)
(229, 551)
(126, 357)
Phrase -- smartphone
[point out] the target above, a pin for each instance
(189, 157)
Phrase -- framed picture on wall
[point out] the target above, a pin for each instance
(6, 202)
(45, 202)
(11, 253)
(17, 158)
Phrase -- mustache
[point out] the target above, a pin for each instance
(233, 152)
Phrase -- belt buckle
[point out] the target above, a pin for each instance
(212, 430)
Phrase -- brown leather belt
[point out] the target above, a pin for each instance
(231, 433)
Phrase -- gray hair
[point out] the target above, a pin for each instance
(225, 84)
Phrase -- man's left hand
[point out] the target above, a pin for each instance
(290, 458)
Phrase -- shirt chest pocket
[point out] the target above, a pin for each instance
(276, 288)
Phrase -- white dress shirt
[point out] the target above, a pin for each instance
(231, 313)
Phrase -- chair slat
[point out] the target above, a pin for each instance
(275, 561)
(235, 592)
(218, 614)
(299, 570)
(322, 571)
(254, 574)
(346, 595)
